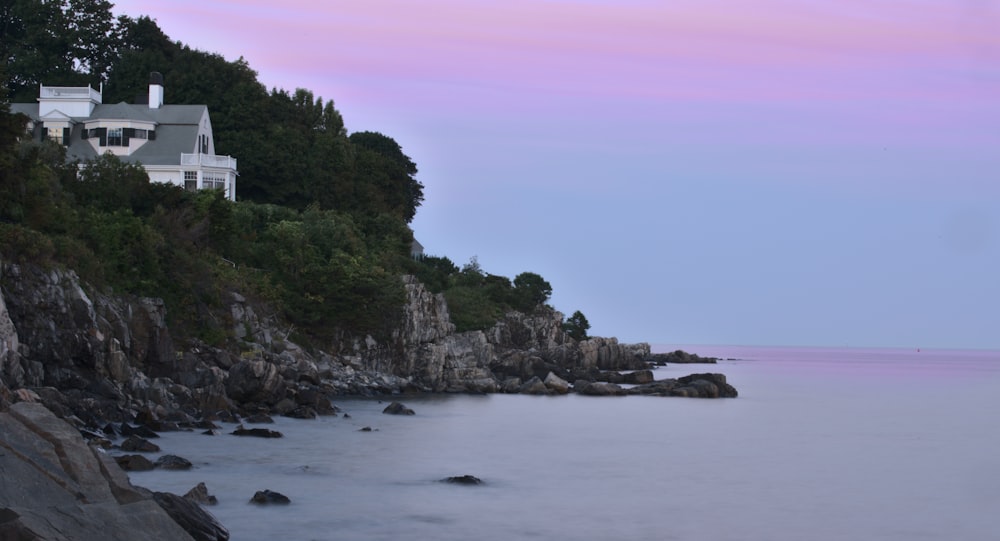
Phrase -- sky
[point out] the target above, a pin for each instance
(738, 172)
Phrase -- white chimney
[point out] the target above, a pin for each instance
(155, 90)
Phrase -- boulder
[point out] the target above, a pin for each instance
(268, 497)
(599, 388)
(137, 444)
(533, 386)
(197, 522)
(397, 408)
(256, 432)
(255, 381)
(463, 480)
(199, 494)
(172, 462)
(134, 463)
(55, 486)
(556, 384)
(639, 377)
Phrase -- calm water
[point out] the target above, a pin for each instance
(822, 444)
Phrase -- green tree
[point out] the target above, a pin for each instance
(576, 326)
(530, 291)
(386, 176)
(56, 42)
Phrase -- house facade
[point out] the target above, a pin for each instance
(174, 143)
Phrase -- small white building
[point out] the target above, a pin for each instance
(173, 143)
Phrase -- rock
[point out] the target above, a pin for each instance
(258, 419)
(639, 377)
(599, 389)
(397, 408)
(142, 445)
(267, 497)
(302, 412)
(55, 486)
(256, 432)
(255, 381)
(172, 462)
(140, 431)
(463, 480)
(197, 522)
(556, 384)
(679, 357)
(533, 386)
(134, 463)
(199, 494)
(705, 386)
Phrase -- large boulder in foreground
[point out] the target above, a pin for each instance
(56, 487)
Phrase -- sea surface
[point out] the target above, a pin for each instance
(822, 444)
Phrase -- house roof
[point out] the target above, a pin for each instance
(176, 130)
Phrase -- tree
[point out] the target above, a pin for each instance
(576, 326)
(56, 42)
(385, 175)
(530, 291)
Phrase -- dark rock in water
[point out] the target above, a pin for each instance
(533, 386)
(346, 415)
(173, 462)
(257, 432)
(639, 377)
(598, 388)
(135, 443)
(199, 494)
(366, 429)
(197, 522)
(463, 480)
(705, 386)
(679, 357)
(141, 431)
(134, 463)
(693, 386)
(302, 412)
(259, 419)
(397, 409)
(267, 497)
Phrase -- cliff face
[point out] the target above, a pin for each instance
(102, 357)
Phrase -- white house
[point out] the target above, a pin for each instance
(173, 143)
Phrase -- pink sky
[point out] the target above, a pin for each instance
(862, 131)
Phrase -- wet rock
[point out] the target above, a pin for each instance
(141, 445)
(199, 494)
(172, 462)
(268, 497)
(556, 384)
(397, 408)
(256, 432)
(533, 386)
(134, 463)
(463, 480)
(197, 522)
(639, 377)
(599, 389)
(258, 419)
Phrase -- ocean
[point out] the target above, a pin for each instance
(822, 444)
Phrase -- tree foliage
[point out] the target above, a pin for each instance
(576, 326)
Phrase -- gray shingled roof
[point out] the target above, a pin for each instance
(176, 130)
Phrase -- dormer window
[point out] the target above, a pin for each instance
(114, 137)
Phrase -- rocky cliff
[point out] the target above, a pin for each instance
(95, 357)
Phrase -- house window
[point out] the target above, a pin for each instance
(213, 181)
(114, 137)
(191, 180)
(139, 134)
(55, 134)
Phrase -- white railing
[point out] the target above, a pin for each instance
(70, 92)
(209, 160)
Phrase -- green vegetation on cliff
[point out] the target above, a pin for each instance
(321, 229)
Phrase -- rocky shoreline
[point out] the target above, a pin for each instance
(75, 361)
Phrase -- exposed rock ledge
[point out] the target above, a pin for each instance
(57, 487)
